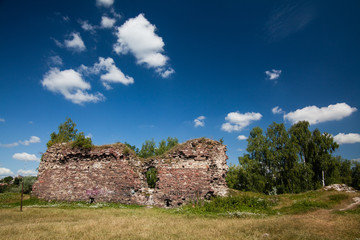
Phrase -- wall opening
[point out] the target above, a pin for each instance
(151, 177)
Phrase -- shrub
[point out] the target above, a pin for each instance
(82, 142)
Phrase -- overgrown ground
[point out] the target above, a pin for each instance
(311, 215)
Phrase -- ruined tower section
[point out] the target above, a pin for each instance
(190, 171)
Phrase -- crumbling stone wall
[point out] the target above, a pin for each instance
(192, 170)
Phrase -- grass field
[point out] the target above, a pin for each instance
(311, 215)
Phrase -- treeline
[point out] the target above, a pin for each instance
(291, 161)
(149, 148)
(13, 184)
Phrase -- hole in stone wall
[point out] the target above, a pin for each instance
(151, 177)
(168, 202)
(209, 195)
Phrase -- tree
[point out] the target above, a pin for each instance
(147, 149)
(8, 179)
(67, 133)
(355, 175)
(289, 161)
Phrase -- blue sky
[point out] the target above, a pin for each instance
(137, 70)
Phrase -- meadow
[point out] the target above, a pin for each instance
(309, 215)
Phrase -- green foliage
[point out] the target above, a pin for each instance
(151, 177)
(7, 179)
(28, 183)
(68, 133)
(290, 161)
(355, 175)
(149, 149)
(82, 142)
(232, 177)
(132, 147)
(16, 186)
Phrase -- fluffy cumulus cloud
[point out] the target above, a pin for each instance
(75, 42)
(25, 157)
(343, 138)
(104, 3)
(315, 115)
(111, 73)
(277, 110)
(137, 36)
(199, 121)
(23, 172)
(236, 121)
(33, 139)
(107, 22)
(241, 137)
(273, 74)
(5, 172)
(71, 85)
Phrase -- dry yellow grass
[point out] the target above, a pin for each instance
(144, 223)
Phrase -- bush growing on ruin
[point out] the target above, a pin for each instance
(82, 142)
(149, 149)
(68, 133)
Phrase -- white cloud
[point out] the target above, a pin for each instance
(104, 3)
(242, 137)
(137, 35)
(6, 172)
(23, 172)
(356, 159)
(9, 145)
(55, 61)
(76, 43)
(273, 74)
(25, 157)
(315, 115)
(107, 22)
(33, 139)
(114, 13)
(199, 121)
(112, 75)
(165, 73)
(342, 138)
(2, 120)
(70, 84)
(237, 121)
(66, 18)
(277, 110)
(86, 26)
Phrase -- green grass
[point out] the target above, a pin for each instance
(11, 200)
(242, 215)
(337, 198)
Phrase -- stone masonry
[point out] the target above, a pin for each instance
(190, 171)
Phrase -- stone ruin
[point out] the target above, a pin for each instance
(189, 172)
